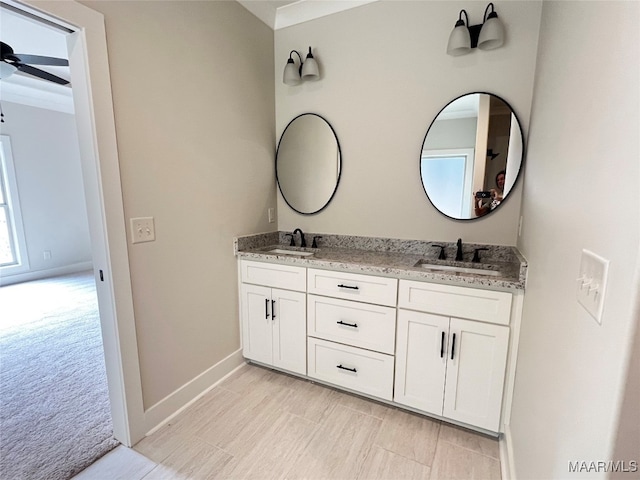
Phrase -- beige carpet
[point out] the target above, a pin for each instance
(54, 408)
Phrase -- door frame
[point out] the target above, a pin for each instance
(93, 102)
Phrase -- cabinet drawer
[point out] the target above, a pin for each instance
(354, 323)
(352, 368)
(353, 286)
(453, 301)
(273, 275)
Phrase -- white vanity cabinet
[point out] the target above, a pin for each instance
(449, 366)
(441, 349)
(351, 322)
(273, 312)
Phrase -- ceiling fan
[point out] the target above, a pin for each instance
(10, 62)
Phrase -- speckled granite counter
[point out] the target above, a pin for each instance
(391, 257)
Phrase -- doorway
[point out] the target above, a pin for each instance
(87, 53)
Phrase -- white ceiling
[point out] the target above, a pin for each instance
(284, 13)
(29, 36)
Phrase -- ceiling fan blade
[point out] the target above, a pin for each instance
(36, 72)
(40, 60)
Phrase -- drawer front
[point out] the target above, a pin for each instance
(352, 368)
(354, 323)
(453, 301)
(353, 286)
(274, 275)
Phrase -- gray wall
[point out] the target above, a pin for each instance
(192, 86)
(581, 191)
(385, 76)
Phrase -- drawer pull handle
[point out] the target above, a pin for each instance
(354, 325)
(347, 368)
(442, 346)
(453, 345)
(273, 309)
(266, 308)
(348, 286)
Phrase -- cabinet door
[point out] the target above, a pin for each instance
(421, 360)
(256, 323)
(289, 330)
(475, 373)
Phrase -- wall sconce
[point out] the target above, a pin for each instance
(486, 36)
(308, 70)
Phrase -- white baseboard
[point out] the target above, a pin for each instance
(506, 455)
(40, 274)
(174, 403)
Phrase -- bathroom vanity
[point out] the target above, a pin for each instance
(387, 319)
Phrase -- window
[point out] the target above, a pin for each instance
(13, 258)
(447, 177)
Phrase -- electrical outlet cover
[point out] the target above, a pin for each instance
(592, 282)
(142, 230)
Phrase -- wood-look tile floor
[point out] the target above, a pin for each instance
(261, 424)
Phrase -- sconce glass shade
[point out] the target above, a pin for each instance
(492, 33)
(310, 69)
(459, 40)
(6, 70)
(291, 74)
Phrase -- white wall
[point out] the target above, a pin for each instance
(385, 76)
(47, 162)
(454, 133)
(581, 191)
(194, 110)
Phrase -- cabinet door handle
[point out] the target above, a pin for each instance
(273, 309)
(442, 346)
(266, 308)
(453, 345)
(347, 368)
(354, 325)
(348, 286)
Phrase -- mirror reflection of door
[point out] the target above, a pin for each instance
(472, 140)
(497, 142)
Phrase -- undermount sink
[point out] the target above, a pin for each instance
(454, 269)
(295, 253)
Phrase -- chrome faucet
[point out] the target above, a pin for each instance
(303, 242)
(458, 252)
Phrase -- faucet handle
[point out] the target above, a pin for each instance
(459, 253)
(293, 239)
(476, 254)
(442, 255)
(315, 243)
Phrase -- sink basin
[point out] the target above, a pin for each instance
(454, 269)
(295, 253)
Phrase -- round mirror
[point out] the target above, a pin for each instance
(471, 156)
(308, 163)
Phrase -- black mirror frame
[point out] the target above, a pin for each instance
(339, 172)
(515, 182)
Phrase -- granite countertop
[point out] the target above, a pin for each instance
(392, 257)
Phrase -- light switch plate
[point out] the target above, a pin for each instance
(142, 230)
(591, 283)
